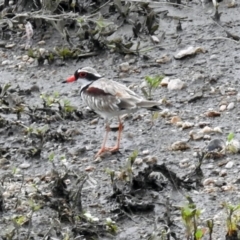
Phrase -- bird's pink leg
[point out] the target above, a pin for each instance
(103, 148)
(120, 129)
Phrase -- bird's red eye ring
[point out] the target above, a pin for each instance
(82, 74)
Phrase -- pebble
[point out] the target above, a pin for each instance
(150, 159)
(145, 152)
(6, 62)
(217, 130)
(213, 57)
(196, 135)
(124, 67)
(41, 42)
(187, 125)
(223, 173)
(208, 181)
(179, 145)
(229, 165)
(89, 168)
(138, 161)
(222, 108)
(165, 82)
(184, 163)
(219, 183)
(176, 84)
(175, 119)
(155, 39)
(207, 129)
(230, 106)
(24, 165)
(188, 51)
(25, 58)
(222, 90)
(10, 45)
(238, 97)
(94, 121)
(31, 60)
(163, 59)
(212, 114)
(41, 51)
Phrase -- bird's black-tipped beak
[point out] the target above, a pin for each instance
(70, 79)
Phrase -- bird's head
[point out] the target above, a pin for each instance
(85, 76)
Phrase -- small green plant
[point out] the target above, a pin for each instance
(127, 172)
(230, 137)
(31, 53)
(210, 225)
(152, 83)
(66, 106)
(233, 145)
(65, 52)
(233, 218)
(51, 157)
(111, 225)
(4, 90)
(49, 100)
(190, 216)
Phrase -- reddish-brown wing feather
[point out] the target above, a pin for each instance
(96, 91)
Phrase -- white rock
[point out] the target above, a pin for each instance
(222, 90)
(186, 125)
(31, 60)
(145, 152)
(217, 129)
(41, 42)
(24, 165)
(208, 181)
(207, 129)
(165, 82)
(176, 84)
(10, 45)
(6, 62)
(155, 39)
(238, 97)
(223, 173)
(230, 106)
(124, 67)
(138, 161)
(229, 164)
(213, 57)
(42, 51)
(222, 108)
(25, 58)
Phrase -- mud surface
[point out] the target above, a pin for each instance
(47, 151)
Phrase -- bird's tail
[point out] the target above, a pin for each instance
(150, 105)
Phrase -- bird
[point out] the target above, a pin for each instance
(108, 99)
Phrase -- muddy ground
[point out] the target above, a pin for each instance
(47, 153)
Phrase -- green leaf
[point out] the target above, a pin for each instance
(230, 137)
(51, 156)
(199, 234)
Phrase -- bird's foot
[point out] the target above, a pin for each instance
(107, 149)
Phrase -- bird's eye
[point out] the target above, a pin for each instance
(82, 74)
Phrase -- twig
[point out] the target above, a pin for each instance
(101, 6)
(160, 3)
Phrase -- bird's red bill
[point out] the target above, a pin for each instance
(71, 79)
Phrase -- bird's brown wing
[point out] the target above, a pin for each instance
(118, 95)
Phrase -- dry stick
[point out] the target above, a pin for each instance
(160, 3)
(101, 6)
(232, 37)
